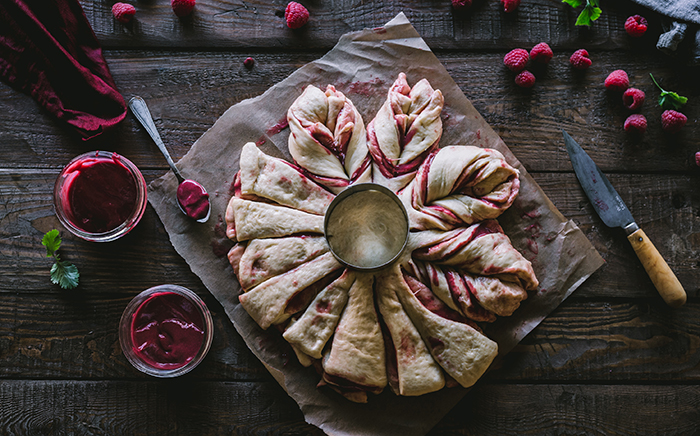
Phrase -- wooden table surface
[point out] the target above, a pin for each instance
(612, 359)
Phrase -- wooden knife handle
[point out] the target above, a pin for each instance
(660, 273)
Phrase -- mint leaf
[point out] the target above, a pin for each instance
(52, 241)
(573, 3)
(589, 14)
(65, 275)
(668, 99)
(671, 100)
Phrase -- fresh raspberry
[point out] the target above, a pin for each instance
(541, 53)
(697, 158)
(525, 79)
(123, 12)
(636, 25)
(510, 5)
(580, 59)
(182, 8)
(296, 15)
(633, 98)
(617, 81)
(672, 121)
(636, 123)
(249, 62)
(461, 4)
(516, 60)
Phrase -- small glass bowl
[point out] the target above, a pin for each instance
(366, 227)
(62, 205)
(126, 339)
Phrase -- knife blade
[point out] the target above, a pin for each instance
(614, 212)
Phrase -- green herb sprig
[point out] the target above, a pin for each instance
(590, 12)
(668, 99)
(64, 274)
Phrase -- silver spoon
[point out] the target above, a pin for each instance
(140, 110)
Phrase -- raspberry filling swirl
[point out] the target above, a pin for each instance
(328, 139)
(460, 185)
(405, 130)
(481, 249)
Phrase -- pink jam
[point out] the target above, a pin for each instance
(167, 331)
(100, 193)
(193, 199)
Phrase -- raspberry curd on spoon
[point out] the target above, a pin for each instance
(192, 197)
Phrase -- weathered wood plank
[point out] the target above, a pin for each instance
(172, 407)
(70, 335)
(73, 334)
(666, 206)
(574, 409)
(128, 265)
(254, 23)
(608, 342)
(188, 91)
(179, 407)
(613, 359)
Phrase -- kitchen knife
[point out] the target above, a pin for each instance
(614, 213)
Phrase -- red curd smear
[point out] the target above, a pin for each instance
(100, 194)
(193, 199)
(167, 331)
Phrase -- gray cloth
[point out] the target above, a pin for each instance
(681, 24)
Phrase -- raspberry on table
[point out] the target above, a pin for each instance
(633, 98)
(461, 4)
(182, 8)
(636, 123)
(617, 81)
(296, 15)
(516, 60)
(525, 79)
(249, 62)
(636, 26)
(697, 158)
(510, 5)
(541, 53)
(580, 59)
(123, 12)
(672, 121)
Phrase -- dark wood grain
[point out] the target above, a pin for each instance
(613, 359)
(253, 23)
(180, 407)
(188, 91)
(575, 409)
(73, 335)
(176, 407)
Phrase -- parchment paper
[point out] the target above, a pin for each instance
(363, 65)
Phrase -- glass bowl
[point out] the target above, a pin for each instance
(100, 196)
(166, 331)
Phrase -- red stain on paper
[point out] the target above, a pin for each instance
(367, 88)
(532, 246)
(531, 214)
(281, 125)
(220, 244)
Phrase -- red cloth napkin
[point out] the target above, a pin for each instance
(49, 51)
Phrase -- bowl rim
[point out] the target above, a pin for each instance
(352, 190)
(125, 324)
(123, 228)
